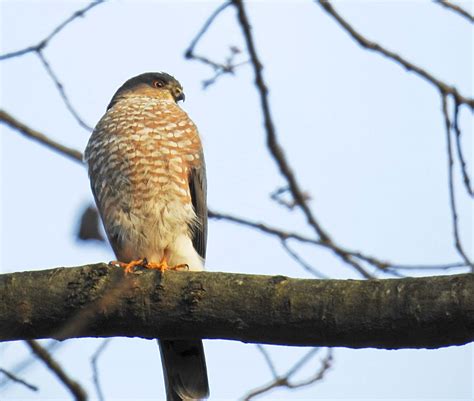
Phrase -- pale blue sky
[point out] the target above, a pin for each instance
(365, 138)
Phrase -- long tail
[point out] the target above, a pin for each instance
(184, 369)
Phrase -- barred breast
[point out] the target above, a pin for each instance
(139, 157)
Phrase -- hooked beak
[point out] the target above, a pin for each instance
(180, 96)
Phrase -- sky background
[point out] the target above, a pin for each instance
(365, 138)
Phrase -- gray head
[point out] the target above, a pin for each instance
(154, 84)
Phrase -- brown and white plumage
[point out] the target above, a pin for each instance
(147, 173)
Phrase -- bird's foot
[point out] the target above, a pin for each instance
(130, 266)
(163, 265)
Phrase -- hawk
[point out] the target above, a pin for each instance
(148, 177)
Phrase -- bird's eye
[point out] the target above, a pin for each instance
(158, 84)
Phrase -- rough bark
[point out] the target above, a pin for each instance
(103, 301)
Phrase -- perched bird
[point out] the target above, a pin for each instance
(147, 173)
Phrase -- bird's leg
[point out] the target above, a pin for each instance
(129, 267)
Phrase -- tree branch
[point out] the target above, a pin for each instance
(74, 387)
(95, 369)
(44, 42)
(16, 379)
(456, 9)
(277, 151)
(13, 123)
(366, 43)
(60, 87)
(102, 301)
(284, 381)
(452, 192)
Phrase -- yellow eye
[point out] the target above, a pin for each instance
(158, 84)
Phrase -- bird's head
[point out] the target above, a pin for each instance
(153, 84)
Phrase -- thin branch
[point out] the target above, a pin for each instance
(364, 42)
(452, 196)
(189, 53)
(268, 360)
(456, 9)
(277, 196)
(301, 261)
(44, 42)
(38, 50)
(462, 161)
(95, 370)
(75, 388)
(16, 379)
(38, 136)
(228, 67)
(301, 363)
(326, 364)
(52, 346)
(284, 381)
(275, 148)
(283, 235)
(62, 93)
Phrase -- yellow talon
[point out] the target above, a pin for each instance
(161, 266)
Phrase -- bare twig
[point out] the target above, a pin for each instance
(38, 50)
(290, 204)
(16, 379)
(44, 42)
(75, 388)
(284, 381)
(303, 361)
(229, 66)
(462, 161)
(301, 261)
(38, 136)
(364, 42)
(27, 362)
(268, 360)
(326, 364)
(190, 50)
(275, 148)
(452, 196)
(95, 370)
(455, 8)
(61, 91)
(283, 235)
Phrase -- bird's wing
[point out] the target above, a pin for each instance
(198, 188)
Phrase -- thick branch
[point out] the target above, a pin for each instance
(102, 301)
